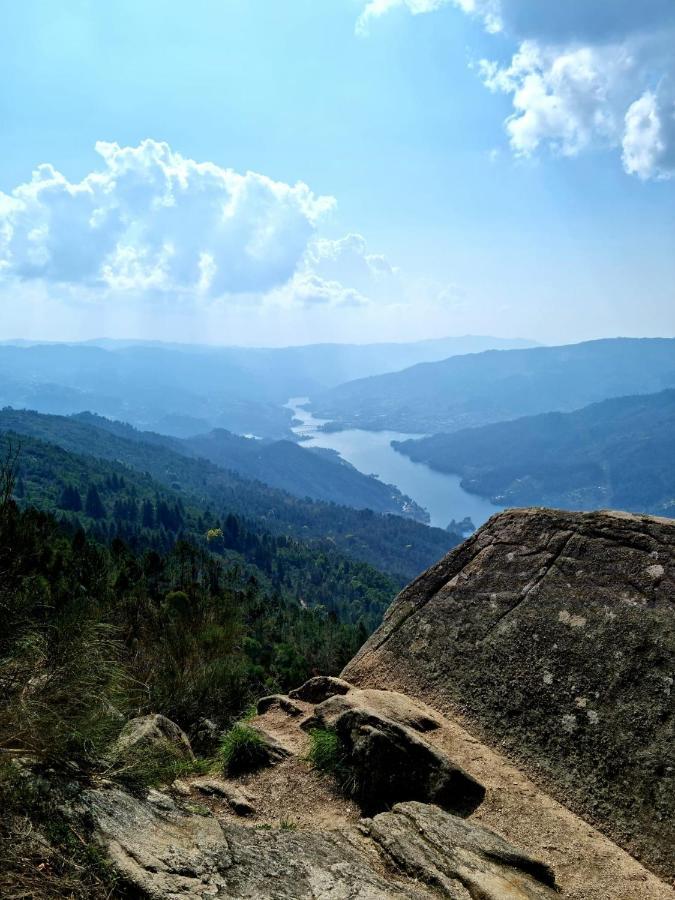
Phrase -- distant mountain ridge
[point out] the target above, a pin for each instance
(618, 453)
(185, 390)
(497, 385)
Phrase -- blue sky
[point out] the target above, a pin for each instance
(426, 212)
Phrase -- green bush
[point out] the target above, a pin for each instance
(242, 750)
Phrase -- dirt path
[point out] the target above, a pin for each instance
(587, 864)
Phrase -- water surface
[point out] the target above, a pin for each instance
(371, 453)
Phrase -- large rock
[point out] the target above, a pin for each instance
(152, 733)
(161, 851)
(389, 763)
(461, 858)
(555, 633)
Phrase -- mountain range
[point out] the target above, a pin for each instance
(392, 544)
(497, 385)
(185, 390)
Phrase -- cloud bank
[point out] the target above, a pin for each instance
(584, 75)
(154, 225)
(152, 219)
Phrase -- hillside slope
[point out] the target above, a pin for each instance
(553, 634)
(398, 546)
(618, 453)
(480, 388)
(303, 472)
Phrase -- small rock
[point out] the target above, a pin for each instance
(238, 801)
(205, 736)
(318, 689)
(280, 700)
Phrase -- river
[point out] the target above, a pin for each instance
(371, 453)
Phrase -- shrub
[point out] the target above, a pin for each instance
(242, 750)
(141, 767)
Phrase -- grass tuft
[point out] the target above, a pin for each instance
(242, 749)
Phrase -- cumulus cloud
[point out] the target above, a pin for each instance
(342, 272)
(153, 219)
(583, 74)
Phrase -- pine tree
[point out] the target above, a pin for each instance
(148, 515)
(70, 499)
(93, 505)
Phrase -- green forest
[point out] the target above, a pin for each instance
(398, 546)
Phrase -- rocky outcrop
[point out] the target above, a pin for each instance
(160, 849)
(554, 633)
(389, 763)
(384, 757)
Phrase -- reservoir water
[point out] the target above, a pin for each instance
(371, 453)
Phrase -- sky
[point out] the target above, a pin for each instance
(271, 172)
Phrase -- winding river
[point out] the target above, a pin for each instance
(371, 452)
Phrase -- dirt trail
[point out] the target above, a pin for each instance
(587, 864)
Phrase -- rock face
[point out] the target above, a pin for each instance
(160, 850)
(554, 632)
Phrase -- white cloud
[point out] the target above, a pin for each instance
(153, 219)
(649, 138)
(341, 272)
(153, 230)
(488, 10)
(584, 74)
(564, 98)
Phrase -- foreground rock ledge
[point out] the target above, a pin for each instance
(416, 851)
(554, 632)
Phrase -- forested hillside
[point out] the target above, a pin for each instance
(304, 472)
(395, 545)
(481, 388)
(618, 453)
(101, 630)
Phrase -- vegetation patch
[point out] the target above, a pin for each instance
(327, 754)
(141, 767)
(43, 854)
(242, 750)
